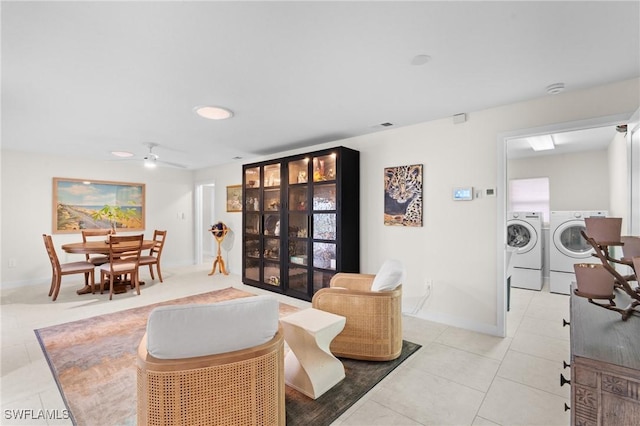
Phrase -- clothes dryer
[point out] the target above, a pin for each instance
(568, 247)
(524, 235)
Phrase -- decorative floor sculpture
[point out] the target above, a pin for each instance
(219, 231)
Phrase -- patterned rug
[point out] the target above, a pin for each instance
(93, 362)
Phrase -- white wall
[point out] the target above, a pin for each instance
(618, 168)
(455, 249)
(577, 181)
(27, 206)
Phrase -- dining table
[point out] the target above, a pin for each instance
(99, 247)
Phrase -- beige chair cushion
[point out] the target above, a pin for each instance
(185, 331)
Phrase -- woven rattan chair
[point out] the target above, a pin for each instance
(153, 258)
(373, 330)
(236, 387)
(60, 269)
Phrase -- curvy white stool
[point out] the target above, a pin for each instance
(310, 367)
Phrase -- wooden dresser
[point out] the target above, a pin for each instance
(605, 365)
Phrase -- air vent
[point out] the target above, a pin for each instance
(386, 124)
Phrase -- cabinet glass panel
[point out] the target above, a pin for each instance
(252, 200)
(321, 279)
(298, 279)
(324, 226)
(252, 177)
(272, 200)
(252, 224)
(252, 269)
(324, 255)
(272, 224)
(298, 252)
(272, 249)
(252, 248)
(298, 198)
(298, 171)
(272, 175)
(324, 168)
(324, 197)
(298, 225)
(271, 273)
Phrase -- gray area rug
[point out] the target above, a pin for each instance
(361, 377)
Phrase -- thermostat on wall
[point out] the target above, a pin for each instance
(463, 194)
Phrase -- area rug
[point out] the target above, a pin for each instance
(361, 376)
(93, 362)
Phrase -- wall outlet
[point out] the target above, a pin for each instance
(13, 263)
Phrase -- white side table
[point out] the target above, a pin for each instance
(310, 367)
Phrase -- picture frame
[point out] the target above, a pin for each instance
(234, 198)
(95, 204)
(403, 195)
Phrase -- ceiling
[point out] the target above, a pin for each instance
(591, 139)
(82, 79)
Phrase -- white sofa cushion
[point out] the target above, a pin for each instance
(185, 331)
(390, 276)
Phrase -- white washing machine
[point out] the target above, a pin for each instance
(567, 247)
(524, 235)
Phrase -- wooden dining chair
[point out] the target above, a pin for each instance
(153, 258)
(92, 235)
(60, 269)
(124, 259)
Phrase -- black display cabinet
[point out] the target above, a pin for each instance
(301, 221)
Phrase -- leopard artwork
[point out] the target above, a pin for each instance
(403, 195)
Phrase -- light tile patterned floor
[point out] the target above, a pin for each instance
(458, 377)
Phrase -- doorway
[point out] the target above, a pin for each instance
(504, 145)
(205, 217)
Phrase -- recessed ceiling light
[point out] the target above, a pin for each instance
(420, 59)
(122, 153)
(213, 112)
(554, 89)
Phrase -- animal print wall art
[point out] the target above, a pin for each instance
(403, 195)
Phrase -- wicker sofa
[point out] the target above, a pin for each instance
(229, 386)
(372, 305)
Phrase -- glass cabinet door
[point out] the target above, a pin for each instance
(325, 220)
(261, 221)
(298, 227)
(324, 168)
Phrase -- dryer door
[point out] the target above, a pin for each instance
(521, 236)
(569, 241)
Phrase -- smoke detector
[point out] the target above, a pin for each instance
(554, 89)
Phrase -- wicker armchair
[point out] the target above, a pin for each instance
(373, 330)
(240, 387)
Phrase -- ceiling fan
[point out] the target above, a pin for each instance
(152, 160)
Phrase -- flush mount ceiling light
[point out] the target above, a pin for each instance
(554, 89)
(541, 143)
(123, 154)
(213, 112)
(420, 59)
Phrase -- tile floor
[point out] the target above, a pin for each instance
(458, 377)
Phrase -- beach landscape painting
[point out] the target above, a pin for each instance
(77, 203)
